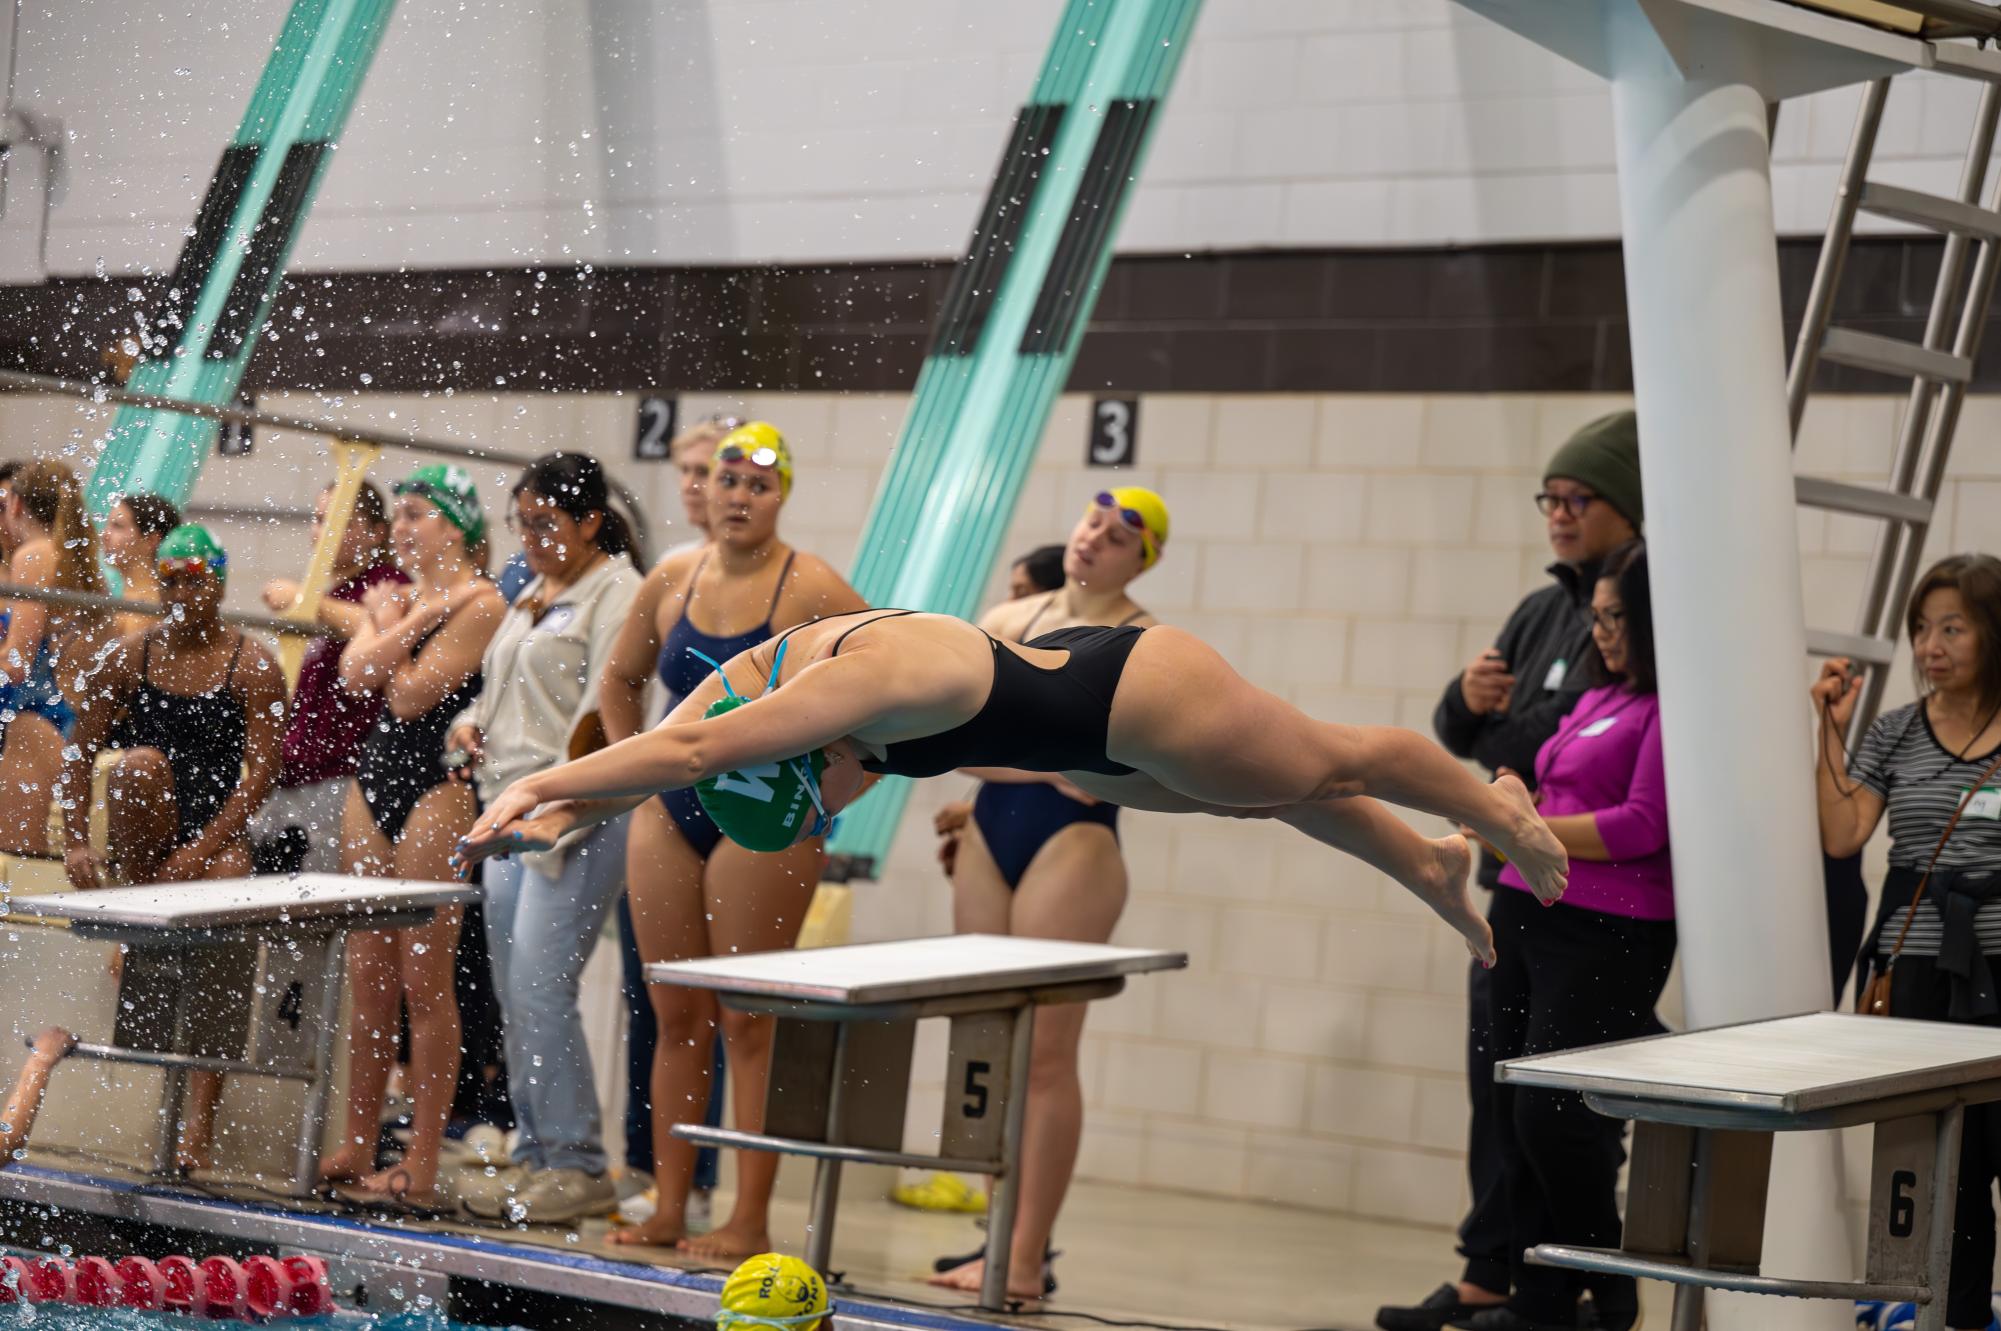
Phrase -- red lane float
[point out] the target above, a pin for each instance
(218, 1288)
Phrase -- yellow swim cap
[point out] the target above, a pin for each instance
(773, 1290)
(760, 444)
(1144, 510)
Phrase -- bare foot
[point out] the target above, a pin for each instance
(346, 1165)
(191, 1155)
(656, 1231)
(1020, 1285)
(404, 1183)
(1441, 885)
(1526, 840)
(731, 1240)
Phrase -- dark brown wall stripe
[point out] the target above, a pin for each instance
(1519, 318)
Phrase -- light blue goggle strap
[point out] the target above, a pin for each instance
(800, 766)
(727, 1318)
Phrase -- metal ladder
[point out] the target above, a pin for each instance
(1939, 370)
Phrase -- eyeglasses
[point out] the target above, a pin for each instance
(1549, 503)
(1131, 517)
(541, 528)
(189, 565)
(1609, 620)
(762, 457)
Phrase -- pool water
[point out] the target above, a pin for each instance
(71, 1317)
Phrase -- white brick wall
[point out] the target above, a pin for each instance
(794, 130)
(1311, 1053)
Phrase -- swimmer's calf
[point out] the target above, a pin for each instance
(51, 1047)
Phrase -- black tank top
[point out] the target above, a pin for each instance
(201, 734)
(1034, 720)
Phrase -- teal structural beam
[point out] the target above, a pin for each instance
(1009, 330)
(197, 342)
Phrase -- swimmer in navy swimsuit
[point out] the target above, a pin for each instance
(689, 894)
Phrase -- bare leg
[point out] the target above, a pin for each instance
(31, 757)
(756, 903)
(1433, 871)
(663, 883)
(426, 959)
(1074, 889)
(196, 1147)
(17, 1120)
(373, 989)
(141, 822)
(1185, 718)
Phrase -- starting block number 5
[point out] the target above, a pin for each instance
(976, 1088)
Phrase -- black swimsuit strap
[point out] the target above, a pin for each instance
(1028, 629)
(235, 656)
(777, 592)
(891, 614)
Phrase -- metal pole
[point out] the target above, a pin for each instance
(16, 381)
(1833, 250)
(91, 601)
(827, 1171)
(1006, 1194)
(313, 1114)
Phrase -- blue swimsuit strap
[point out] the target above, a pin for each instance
(800, 766)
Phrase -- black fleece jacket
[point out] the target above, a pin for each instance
(1547, 645)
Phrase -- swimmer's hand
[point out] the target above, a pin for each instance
(186, 865)
(85, 868)
(507, 829)
(51, 1046)
(950, 825)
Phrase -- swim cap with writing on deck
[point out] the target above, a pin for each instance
(773, 1290)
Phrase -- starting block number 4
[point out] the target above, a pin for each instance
(976, 1089)
(289, 984)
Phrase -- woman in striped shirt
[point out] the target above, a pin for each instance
(1919, 764)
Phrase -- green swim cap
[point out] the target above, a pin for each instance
(762, 808)
(449, 487)
(193, 541)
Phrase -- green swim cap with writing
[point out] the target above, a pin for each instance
(762, 808)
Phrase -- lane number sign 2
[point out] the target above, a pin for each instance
(1114, 438)
(656, 428)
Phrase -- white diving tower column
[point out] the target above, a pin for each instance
(1691, 80)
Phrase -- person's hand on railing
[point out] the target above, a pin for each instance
(468, 740)
(280, 595)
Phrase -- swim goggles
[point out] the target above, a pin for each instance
(1130, 516)
(729, 1317)
(822, 820)
(756, 457)
(174, 568)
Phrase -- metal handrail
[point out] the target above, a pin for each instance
(18, 381)
(117, 606)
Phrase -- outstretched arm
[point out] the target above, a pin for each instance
(827, 701)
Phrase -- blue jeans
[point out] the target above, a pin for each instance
(540, 932)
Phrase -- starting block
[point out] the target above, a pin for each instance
(1705, 1105)
(293, 929)
(840, 1060)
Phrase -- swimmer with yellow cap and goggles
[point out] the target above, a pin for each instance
(1148, 718)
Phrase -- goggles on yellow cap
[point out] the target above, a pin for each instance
(759, 444)
(1142, 511)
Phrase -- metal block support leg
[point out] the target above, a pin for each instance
(313, 1116)
(1945, 1194)
(1007, 1185)
(174, 1093)
(827, 1172)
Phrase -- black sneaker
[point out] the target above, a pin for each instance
(1501, 1317)
(1440, 1308)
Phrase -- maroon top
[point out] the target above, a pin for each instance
(324, 738)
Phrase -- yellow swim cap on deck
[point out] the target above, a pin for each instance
(773, 1290)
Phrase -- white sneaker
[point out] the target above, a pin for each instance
(548, 1197)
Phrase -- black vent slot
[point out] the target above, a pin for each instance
(197, 258)
(1060, 305)
(257, 278)
(976, 281)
